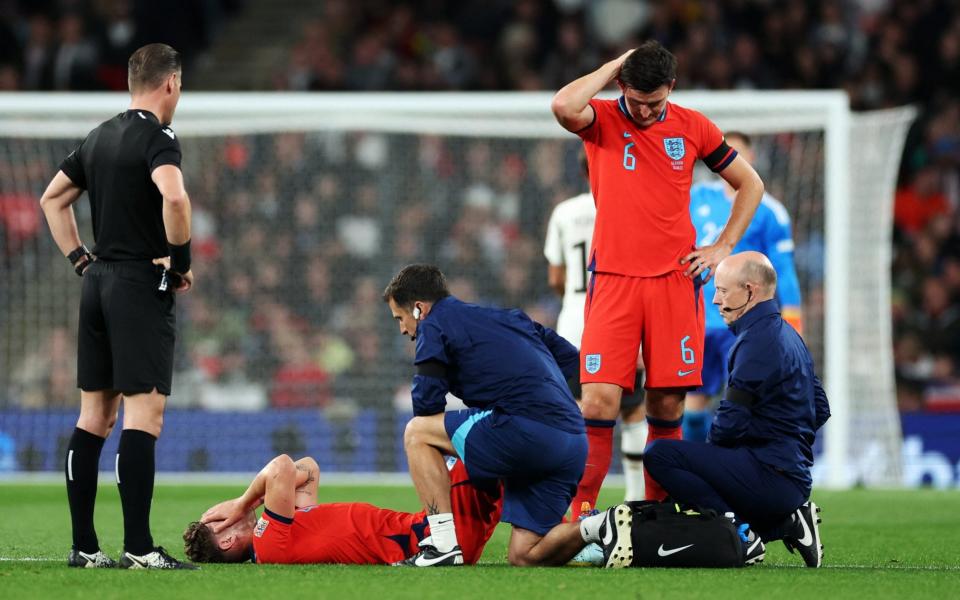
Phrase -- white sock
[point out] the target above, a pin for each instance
(590, 527)
(443, 531)
(633, 440)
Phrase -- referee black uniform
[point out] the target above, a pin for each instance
(130, 168)
(127, 318)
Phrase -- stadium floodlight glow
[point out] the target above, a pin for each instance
(837, 169)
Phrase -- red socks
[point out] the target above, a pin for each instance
(660, 429)
(599, 455)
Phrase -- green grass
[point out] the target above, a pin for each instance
(878, 544)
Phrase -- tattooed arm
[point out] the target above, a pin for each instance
(309, 470)
(278, 485)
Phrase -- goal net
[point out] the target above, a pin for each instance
(305, 205)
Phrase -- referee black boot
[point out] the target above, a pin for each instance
(95, 560)
(158, 559)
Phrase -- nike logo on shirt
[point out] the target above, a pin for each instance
(682, 373)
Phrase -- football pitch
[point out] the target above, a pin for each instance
(891, 544)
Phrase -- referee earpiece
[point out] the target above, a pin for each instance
(416, 313)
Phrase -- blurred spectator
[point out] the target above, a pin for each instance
(38, 54)
(299, 382)
(85, 44)
(47, 377)
(920, 201)
(75, 61)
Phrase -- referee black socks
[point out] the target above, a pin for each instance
(81, 468)
(135, 471)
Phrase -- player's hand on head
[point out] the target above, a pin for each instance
(622, 58)
(703, 261)
(223, 515)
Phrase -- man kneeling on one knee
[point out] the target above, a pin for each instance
(755, 467)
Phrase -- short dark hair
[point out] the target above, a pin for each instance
(739, 134)
(200, 546)
(649, 67)
(150, 65)
(416, 282)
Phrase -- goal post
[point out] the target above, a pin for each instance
(833, 169)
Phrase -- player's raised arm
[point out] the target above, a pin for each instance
(307, 491)
(276, 486)
(571, 105)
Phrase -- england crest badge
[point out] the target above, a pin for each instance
(674, 147)
(261, 527)
(592, 363)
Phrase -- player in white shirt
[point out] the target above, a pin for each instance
(567, 246)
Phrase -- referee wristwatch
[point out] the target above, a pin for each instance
(82, 255)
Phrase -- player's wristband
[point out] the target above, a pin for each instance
(179, 257)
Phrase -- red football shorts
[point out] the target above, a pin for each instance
(662, 315)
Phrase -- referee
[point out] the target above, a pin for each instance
(130, 167)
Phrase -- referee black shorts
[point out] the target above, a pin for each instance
(127, 329)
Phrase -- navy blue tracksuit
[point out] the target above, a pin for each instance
(757, 461)
(522, 426)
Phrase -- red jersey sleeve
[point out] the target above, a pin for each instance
(591, 132)
(271, 538)
(712, 148)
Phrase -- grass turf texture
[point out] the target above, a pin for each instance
(878, 544)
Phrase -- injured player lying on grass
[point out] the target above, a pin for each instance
(295, 529)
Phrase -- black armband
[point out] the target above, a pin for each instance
(720, 158)
(741, 397)
(179, 257)
(432, 368)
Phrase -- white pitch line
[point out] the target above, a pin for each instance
(28, 559)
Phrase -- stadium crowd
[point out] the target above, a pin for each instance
(294, 237)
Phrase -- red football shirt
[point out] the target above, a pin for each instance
(640, 179)
(356, 533)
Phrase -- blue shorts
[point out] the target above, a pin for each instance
(540, 466)
(716, 346)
